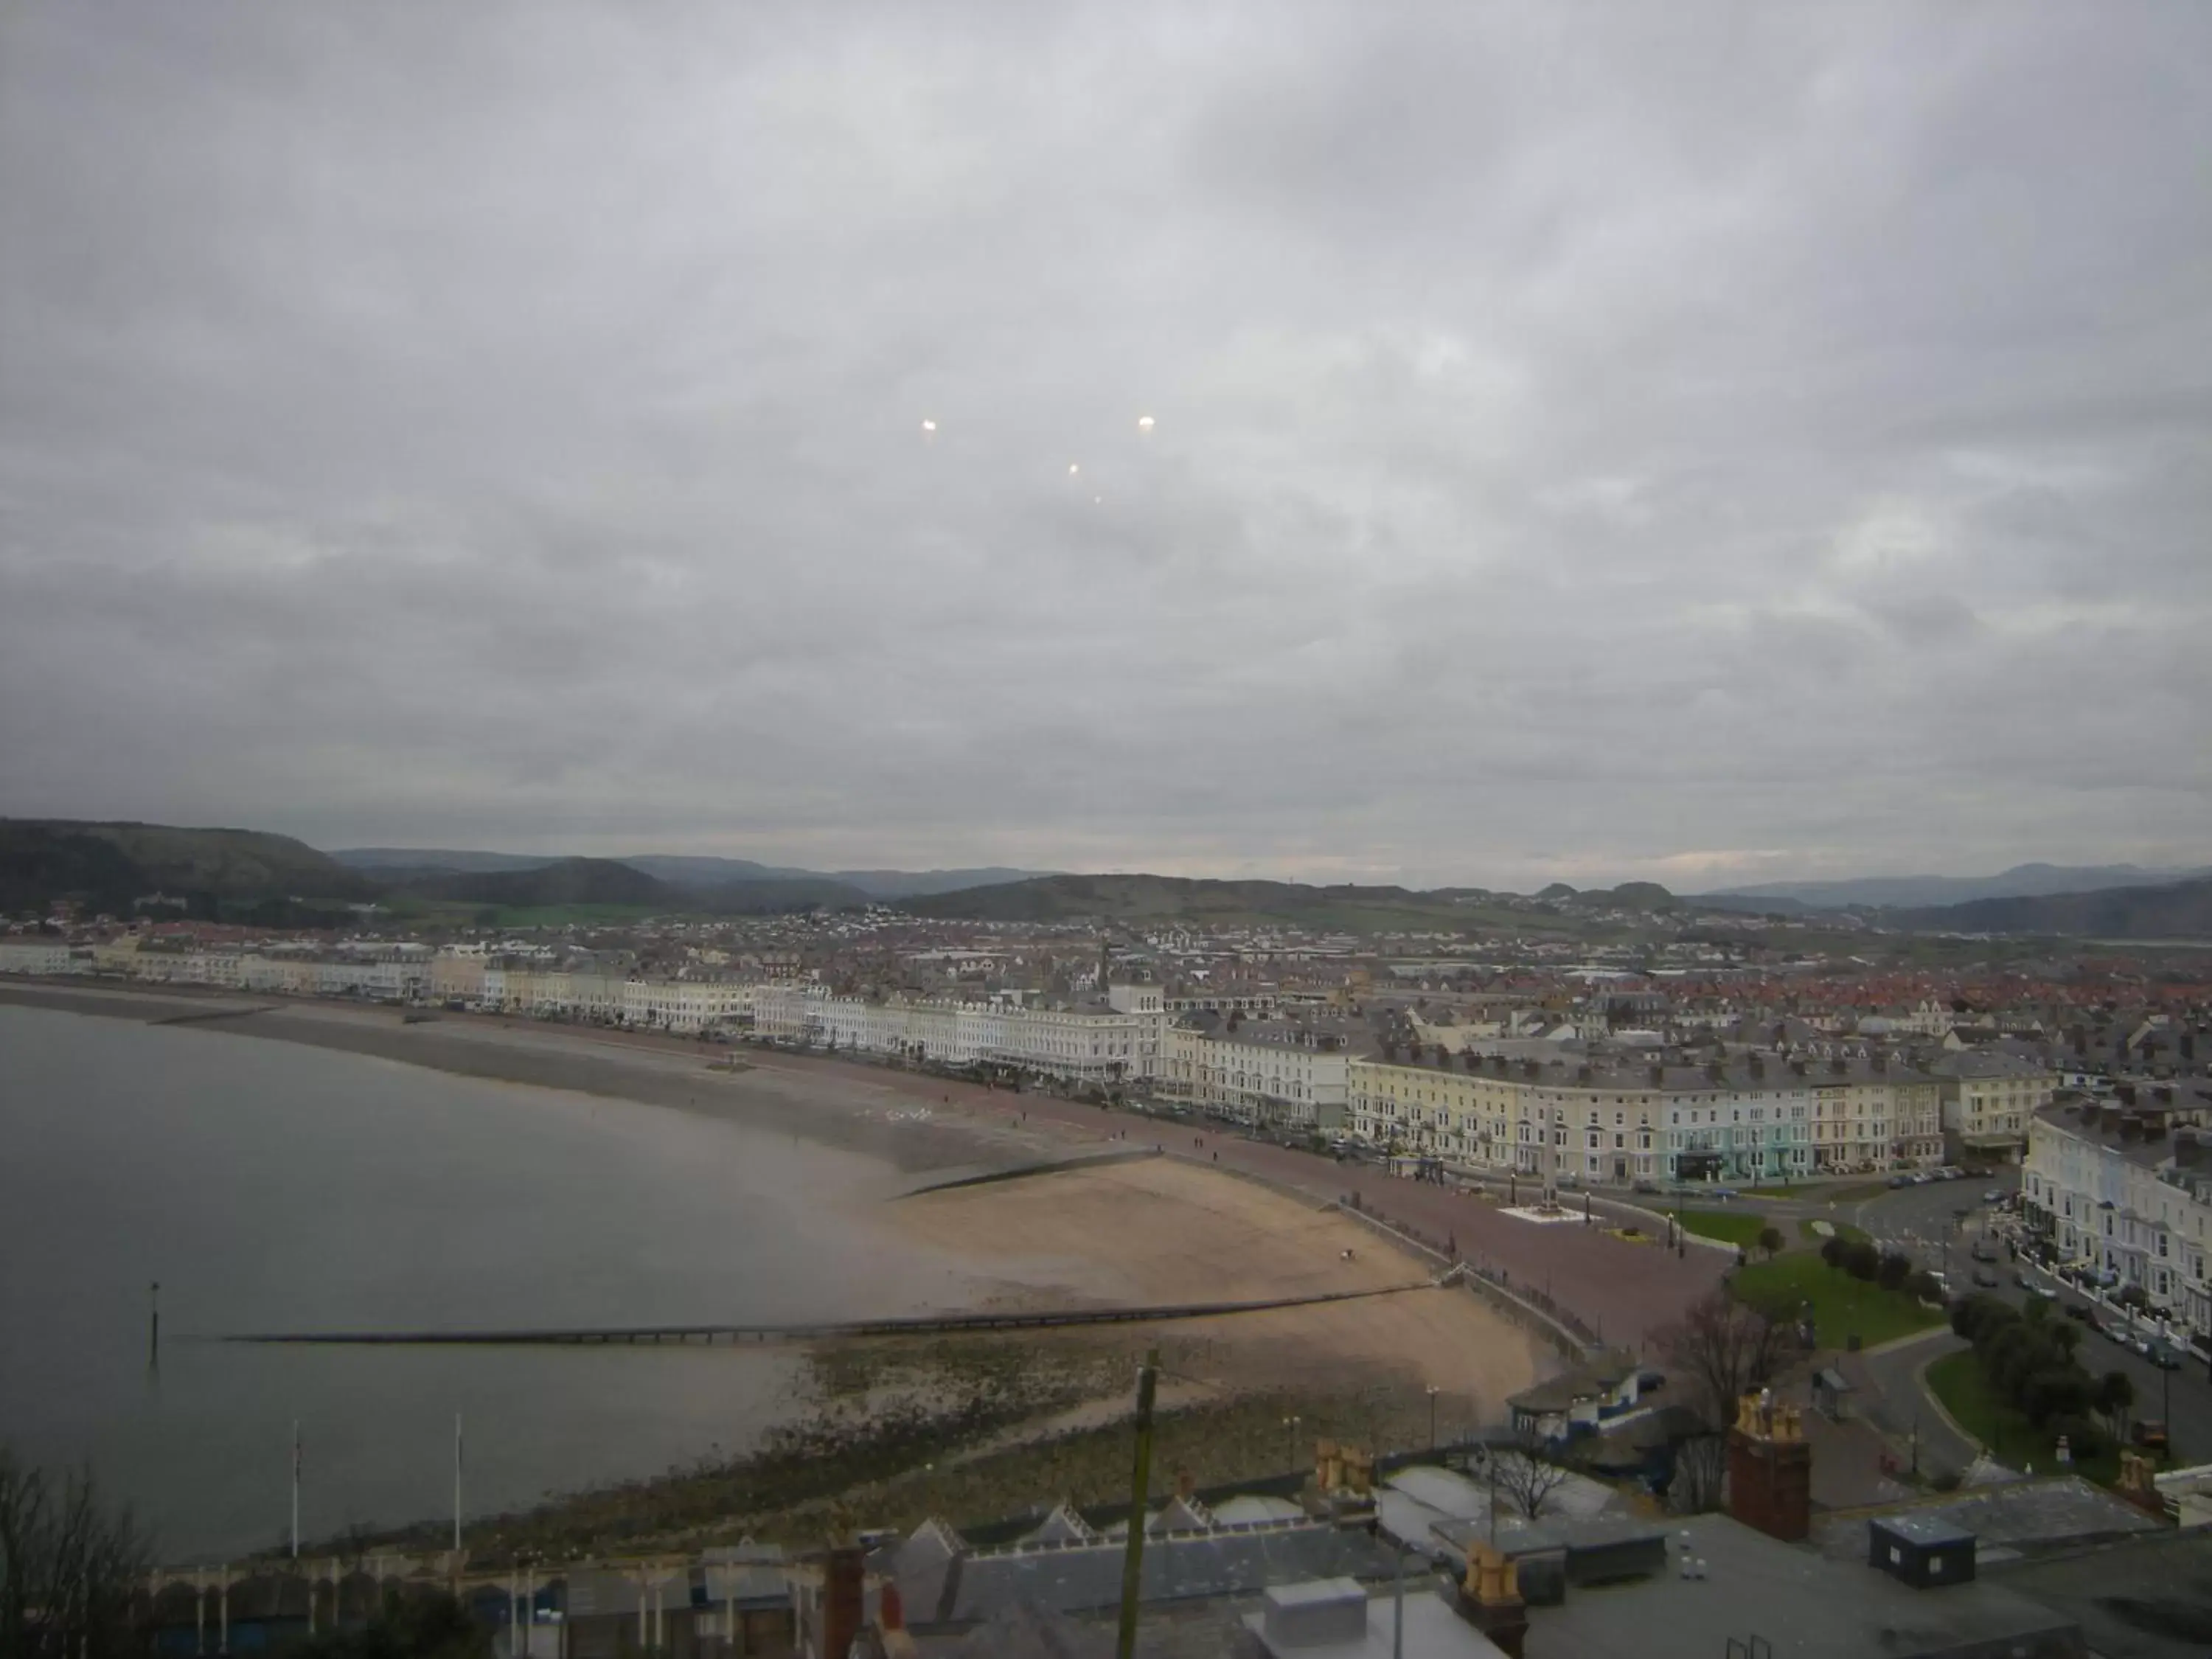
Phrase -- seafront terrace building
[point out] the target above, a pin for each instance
(1990, 1098)
(1750, 1118)
(1107, 1040)
(2122, 1188)
(1282, 1072)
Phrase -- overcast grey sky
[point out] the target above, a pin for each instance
(1693, 442)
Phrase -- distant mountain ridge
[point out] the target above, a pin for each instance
(697, 872)
(1156, 898)
(107, 866)
(1923, 892)
(564, 882)
(2178, 910)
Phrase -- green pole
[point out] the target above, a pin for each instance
(1133, 1559)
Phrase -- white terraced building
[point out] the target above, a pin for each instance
(19, 956)
(1284, 1074)
(2123, 1189)
(1112, 1041)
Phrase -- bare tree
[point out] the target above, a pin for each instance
(1719, 1351)
(68, 1568)
(1701, 1472)
(1723, 1349)
(1525, 1474)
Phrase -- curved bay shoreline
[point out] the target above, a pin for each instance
(972, 1427)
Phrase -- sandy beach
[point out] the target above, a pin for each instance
(1146, 1231)
(1162, 1231)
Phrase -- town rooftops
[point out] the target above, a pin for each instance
(1975, 1065)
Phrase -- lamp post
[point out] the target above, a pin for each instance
(1433, 1392)
(1290, 1439)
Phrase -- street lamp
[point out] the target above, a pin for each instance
(1433, 1392)
(1290, 1439)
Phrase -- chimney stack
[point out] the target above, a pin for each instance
(1489, 1599)
(1770, 1469)
(843, 1591)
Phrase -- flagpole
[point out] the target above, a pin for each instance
(457, 1483)
(296, 1489)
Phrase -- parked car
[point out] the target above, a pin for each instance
(1724, 1192)
(1991, 1195)
(2043, 1290)
(2148, 1433)
(1986, 1277)
(1645, 1186)
(1983, 1253)
(2162, 1356)
(1901, 1181)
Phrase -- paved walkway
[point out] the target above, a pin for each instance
(1891, 1396)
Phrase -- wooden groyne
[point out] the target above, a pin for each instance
(816, 1331)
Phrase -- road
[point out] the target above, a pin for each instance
(1891, 1398)
(1924, 1223)
(1627, 1292)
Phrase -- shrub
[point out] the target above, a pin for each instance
(1991, 1318)
(1925, 1287)
(1976, 1315)
(1862, 1259)
(1895, 1269)
(1831, 1250)
(2055, 1392)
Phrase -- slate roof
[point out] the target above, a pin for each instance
(1074, 1578)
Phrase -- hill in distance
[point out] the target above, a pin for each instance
(1924, 892)
(564, 882)
(1162, 898)
(2176, 910)
(570, 882)
(105, 866)
(695, 873)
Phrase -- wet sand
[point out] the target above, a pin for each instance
(1155, 1231)
(1160, 1231)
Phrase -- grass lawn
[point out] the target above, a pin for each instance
(1957, 1380)
(1740, 1227)
(1842, 1306)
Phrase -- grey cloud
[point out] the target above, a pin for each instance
(1597, 442)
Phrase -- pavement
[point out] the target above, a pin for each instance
(1892, 1397)
(1939, 1225)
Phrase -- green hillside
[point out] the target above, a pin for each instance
(565, 882)
(1164, 898)
(2182, 909)
(104, 866)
